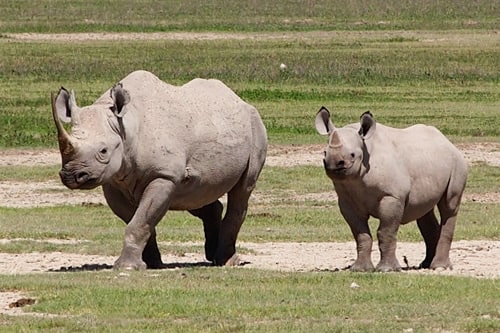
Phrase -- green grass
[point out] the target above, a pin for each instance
(295, 222)
(451, 84)
(257, 15)
(285, 213)
(29, 173)
(244, 300)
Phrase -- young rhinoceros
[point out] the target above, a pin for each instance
(397, 176)
(154, 147)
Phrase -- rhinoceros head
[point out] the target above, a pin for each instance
(346, 150)
(92, 152)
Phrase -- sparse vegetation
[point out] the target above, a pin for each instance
(401, 83)
(426, 61)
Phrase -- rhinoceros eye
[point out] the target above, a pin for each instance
(102, 155)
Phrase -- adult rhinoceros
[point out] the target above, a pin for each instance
(397, 176)
(154, 147)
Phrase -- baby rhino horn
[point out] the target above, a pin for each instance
(335, 139)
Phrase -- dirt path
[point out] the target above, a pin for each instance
(442, 37)
(470, 258)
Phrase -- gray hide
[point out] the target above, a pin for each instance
(397, 176)
(155, 147)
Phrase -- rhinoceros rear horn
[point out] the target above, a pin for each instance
(323, 123)
(120, 98)
(59, 108)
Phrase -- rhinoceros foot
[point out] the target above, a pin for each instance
(388, 268)
(441, 264)
(234, 260)
(128, 264)
(156, 265)
(390, 264)
(210, 248)
(424, 264)
(360, 266)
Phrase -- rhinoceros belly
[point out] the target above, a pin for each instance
(206, 182)
(425, 193)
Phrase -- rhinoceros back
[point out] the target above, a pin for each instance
(201, 131)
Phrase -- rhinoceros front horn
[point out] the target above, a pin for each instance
(65, 146)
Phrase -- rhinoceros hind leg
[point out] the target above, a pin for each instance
(237, 205)
(429, 228)
(442, 257)
(448, 209)
(151, 254)
(211, 215)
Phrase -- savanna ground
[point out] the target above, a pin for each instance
(409, 62)
(470, 258)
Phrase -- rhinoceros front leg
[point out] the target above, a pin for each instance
(390, 214)
(125, 210)
(152, 207)
(211, 215)
(361, 232)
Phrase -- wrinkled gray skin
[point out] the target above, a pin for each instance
(155, 147)
(397, 176)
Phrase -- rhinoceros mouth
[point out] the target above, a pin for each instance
(79, 180)
(339, 169)
(339, 172)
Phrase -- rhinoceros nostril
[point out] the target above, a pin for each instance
(340, 164)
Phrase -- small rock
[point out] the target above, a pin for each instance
(354, 285)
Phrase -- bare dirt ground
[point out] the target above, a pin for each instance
(423, 36)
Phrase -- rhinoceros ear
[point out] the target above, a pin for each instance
(368, 125)
(120, 98)
(323, 123)
(65, 105)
